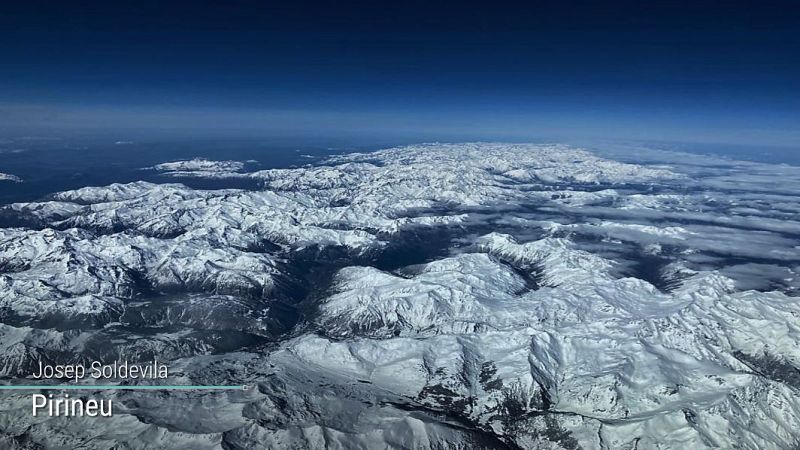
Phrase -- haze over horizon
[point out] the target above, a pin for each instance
(674, 71)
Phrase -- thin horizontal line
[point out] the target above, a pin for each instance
(178, 387)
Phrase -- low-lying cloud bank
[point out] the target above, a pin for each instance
(9, 177)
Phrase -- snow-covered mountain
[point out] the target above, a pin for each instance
(478, 295)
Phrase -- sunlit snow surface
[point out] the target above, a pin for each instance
(433, 296)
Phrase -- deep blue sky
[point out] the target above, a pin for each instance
(681, 70)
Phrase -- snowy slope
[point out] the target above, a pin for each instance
(478, 295)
